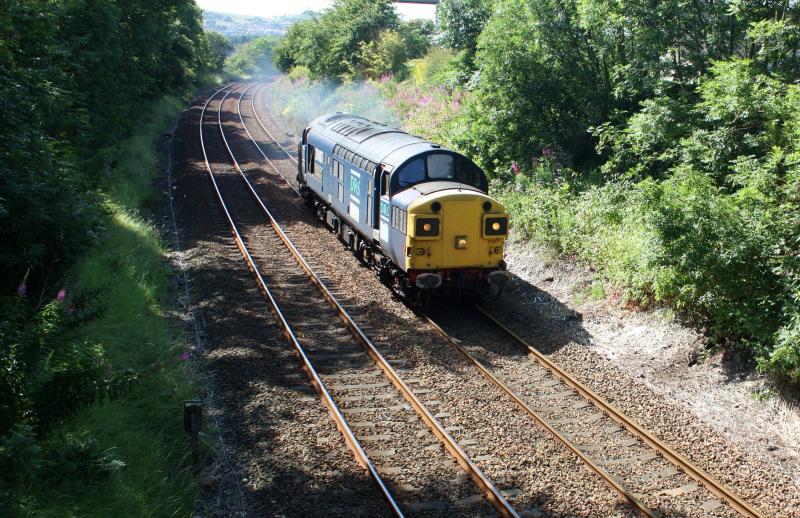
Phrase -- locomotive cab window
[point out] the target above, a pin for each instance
(318, 160)
(413, 172)
(470, 174)
(441, 167)
(385, 184)
(310, 158)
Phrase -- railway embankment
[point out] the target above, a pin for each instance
(566, 303)
(121, 449)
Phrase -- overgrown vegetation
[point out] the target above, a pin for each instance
(658, 143)
(98, 375)
(354, 38)
(89, 371)
(253, 58)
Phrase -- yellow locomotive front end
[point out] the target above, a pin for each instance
(456, 239)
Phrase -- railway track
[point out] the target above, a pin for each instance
(368, 398)
(650, 475)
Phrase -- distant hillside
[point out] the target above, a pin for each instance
(237, 24)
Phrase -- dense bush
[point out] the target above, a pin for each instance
(718, 236)
(73, 75)
(436, 68)
(384, 56)
(44, 375)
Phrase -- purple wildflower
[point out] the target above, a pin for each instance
(546, 151)
(385, 78)
(62, 294)
(184, 356)
(22, 289)
(514, 167)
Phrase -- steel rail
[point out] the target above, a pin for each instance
(611, 481)
(702, 478)
(263, 127)
(255, 142)
(316, 381)
(494, 496)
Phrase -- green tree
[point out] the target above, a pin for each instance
(642, 45)
(219, 48)
(386, 55)
(304, 44)
(329, 46)
(461, 23)
(417, 35)
(540, 83)
(254, 57)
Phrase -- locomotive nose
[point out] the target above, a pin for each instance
(466, 229)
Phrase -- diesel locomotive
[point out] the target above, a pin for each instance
(414, 211)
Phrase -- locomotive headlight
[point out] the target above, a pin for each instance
(461, 242)
(495, 225)
(426, 227)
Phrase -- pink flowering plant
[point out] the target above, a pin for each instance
(431, 112)
(43, 362)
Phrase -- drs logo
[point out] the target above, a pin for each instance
(355, 186)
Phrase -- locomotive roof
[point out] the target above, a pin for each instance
(376, 142)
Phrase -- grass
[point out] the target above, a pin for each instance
(588, 292)
(143, 428)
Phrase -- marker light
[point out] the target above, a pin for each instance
(495, 225)
(426, 227)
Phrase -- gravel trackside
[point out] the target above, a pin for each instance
(274, 434)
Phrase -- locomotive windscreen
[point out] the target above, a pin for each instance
(441, 166)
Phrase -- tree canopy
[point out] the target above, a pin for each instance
(73, 76)
(461, 23)
(353, 38)
(254, 57)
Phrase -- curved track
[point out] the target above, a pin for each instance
(644, 470)
(346, 374)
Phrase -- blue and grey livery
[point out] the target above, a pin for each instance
(416, 212)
